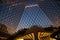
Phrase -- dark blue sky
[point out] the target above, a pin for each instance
(45, 13)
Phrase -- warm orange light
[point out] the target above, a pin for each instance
(19, 39)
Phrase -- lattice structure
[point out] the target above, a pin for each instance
(11, 15)
(46, 13)
(33, 15)
(52, 10)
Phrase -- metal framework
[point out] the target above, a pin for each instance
(33, 15)
(11, 13)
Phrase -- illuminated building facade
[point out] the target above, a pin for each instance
(20, 15)
(33, 15)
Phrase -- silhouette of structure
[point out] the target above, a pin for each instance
(33, 33)
(57, 33)
(3, 28)
(3, 32)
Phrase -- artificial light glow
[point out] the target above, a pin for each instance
(20, 39)
(52, 39)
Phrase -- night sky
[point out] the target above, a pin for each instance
(16, 14)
